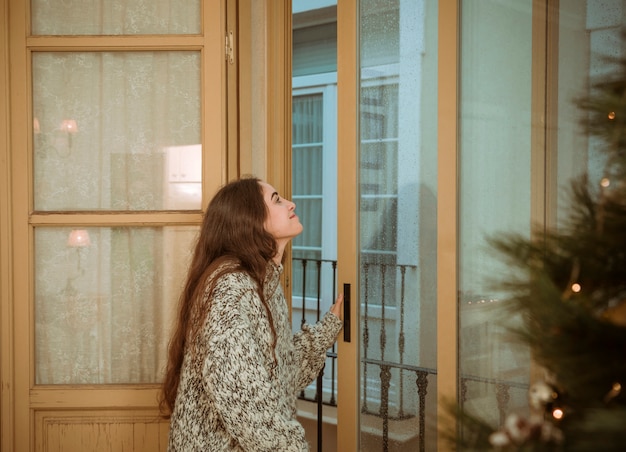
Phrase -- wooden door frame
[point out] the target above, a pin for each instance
(347, 236)
(447, 216)
(20, 236)
(6, 285)
(263, 99)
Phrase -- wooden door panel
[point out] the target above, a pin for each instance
(100, 430)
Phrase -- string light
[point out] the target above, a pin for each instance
(484, 300)
(576, 287)
(612, 115)
(616, 389)
(605, 182)
(557, 414)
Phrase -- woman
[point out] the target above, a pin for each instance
(234, 367)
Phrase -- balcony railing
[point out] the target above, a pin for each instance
(395, 376)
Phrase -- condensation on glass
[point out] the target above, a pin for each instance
(397, 187)
(115, 17)
(104, 299)
(116, 131)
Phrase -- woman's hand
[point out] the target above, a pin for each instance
(337, 308)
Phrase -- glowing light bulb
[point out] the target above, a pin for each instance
(605, 182)
(611, 115)
(576, 287)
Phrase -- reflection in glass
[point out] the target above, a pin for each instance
(494, 196)
(104, 302)
(116, 131)
(115, 17)
(497, 167)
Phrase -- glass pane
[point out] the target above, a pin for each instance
(398, 183)
(494, 196)
(314, 49)
(115, 17)
(307, 167)
(116, 131)
(104, 302)
(314, 169)
(590, 44)
(496, 192)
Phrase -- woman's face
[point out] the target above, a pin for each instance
(282, 221)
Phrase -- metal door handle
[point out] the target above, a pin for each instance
(346, 312)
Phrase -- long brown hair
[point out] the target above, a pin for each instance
(232, 231)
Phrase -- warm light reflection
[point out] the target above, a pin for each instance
(78, 238)
(69, 126)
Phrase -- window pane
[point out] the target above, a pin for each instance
(104, 301)
(494, 196)
(397, 223)
(314, 49)
(307, 168)
(590, 49)
(496, 192)
(115, 17)
(116, 131)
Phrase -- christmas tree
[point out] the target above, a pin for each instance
(571, 297)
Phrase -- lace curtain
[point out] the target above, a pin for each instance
(112, 132)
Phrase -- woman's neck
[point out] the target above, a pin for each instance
(278, 258)
(280, 249)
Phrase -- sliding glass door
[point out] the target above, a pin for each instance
(387, 359)
(455, 121)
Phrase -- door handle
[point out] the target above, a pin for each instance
(346, 312)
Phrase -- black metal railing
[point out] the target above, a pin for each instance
(309, 293)
(502, 390)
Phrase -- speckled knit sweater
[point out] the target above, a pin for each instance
(231, 396)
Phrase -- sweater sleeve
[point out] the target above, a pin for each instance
(311, 344)
(238, 381)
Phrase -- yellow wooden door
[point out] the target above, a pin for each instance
(117, 139)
